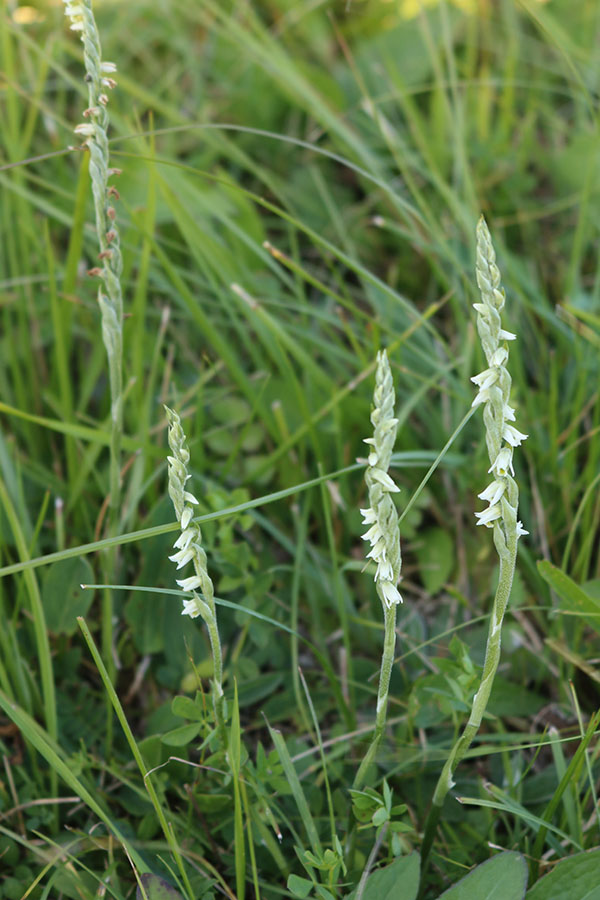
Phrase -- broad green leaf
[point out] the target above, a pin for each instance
(156, 888)
(398, 881)
(63, 597)
(503, 877)
(299, 887)
(575, 598)
(179, 737)
(186, 708)
(436, 556)
(575, 878)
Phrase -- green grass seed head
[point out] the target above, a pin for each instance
(381, 515)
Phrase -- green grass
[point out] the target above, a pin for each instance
(300, 187)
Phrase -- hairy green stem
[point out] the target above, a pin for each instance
(387, 662)
(480, 700)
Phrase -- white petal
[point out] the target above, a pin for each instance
(385, 481)
(190, 608)
(372, 458)
(499, 357)
(189, 498)
(368, 516)
(186, 516)
(508, 413)
(384, 571)
(506, 335)
(183, 557)
(191, 583)
(108, 67)
(520, 529)
(485, 379)
(391, 594)
(493, 492)
(86, 128)
(480, 307)
(378, 550)
(373, 534)
(184, 538)
(488, 515)
(512, 436)
(502, 465)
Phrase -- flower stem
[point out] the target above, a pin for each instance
(387, 662)
(502, 494)
(508, 554)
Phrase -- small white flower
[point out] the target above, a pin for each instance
(508, 413)
(385, 481)
(372, 458)
(368, 516)
(391, 594)
(189, 498)
(493, 492)
(183, 556)
(485, 379)
(85, 128)
(373, 534)
(488, 515)
(107, 68)
(499, 357)
(76, 26)
(481, 308)
(384, 571)
(190, 584)
(502, 465)
(520, 529)
(512, 436)
(377, 552)
(186, 516)
(184, 538)
(191, 608)
(506, 335)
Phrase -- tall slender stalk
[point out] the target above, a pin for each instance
(189, 549)
(502, 496)
(384, 537)
(98, 76)
(110, 299)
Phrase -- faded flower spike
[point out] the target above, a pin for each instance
(381, 515)
(494, 393)
(94, 132)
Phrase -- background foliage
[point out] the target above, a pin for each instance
(300, 185)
